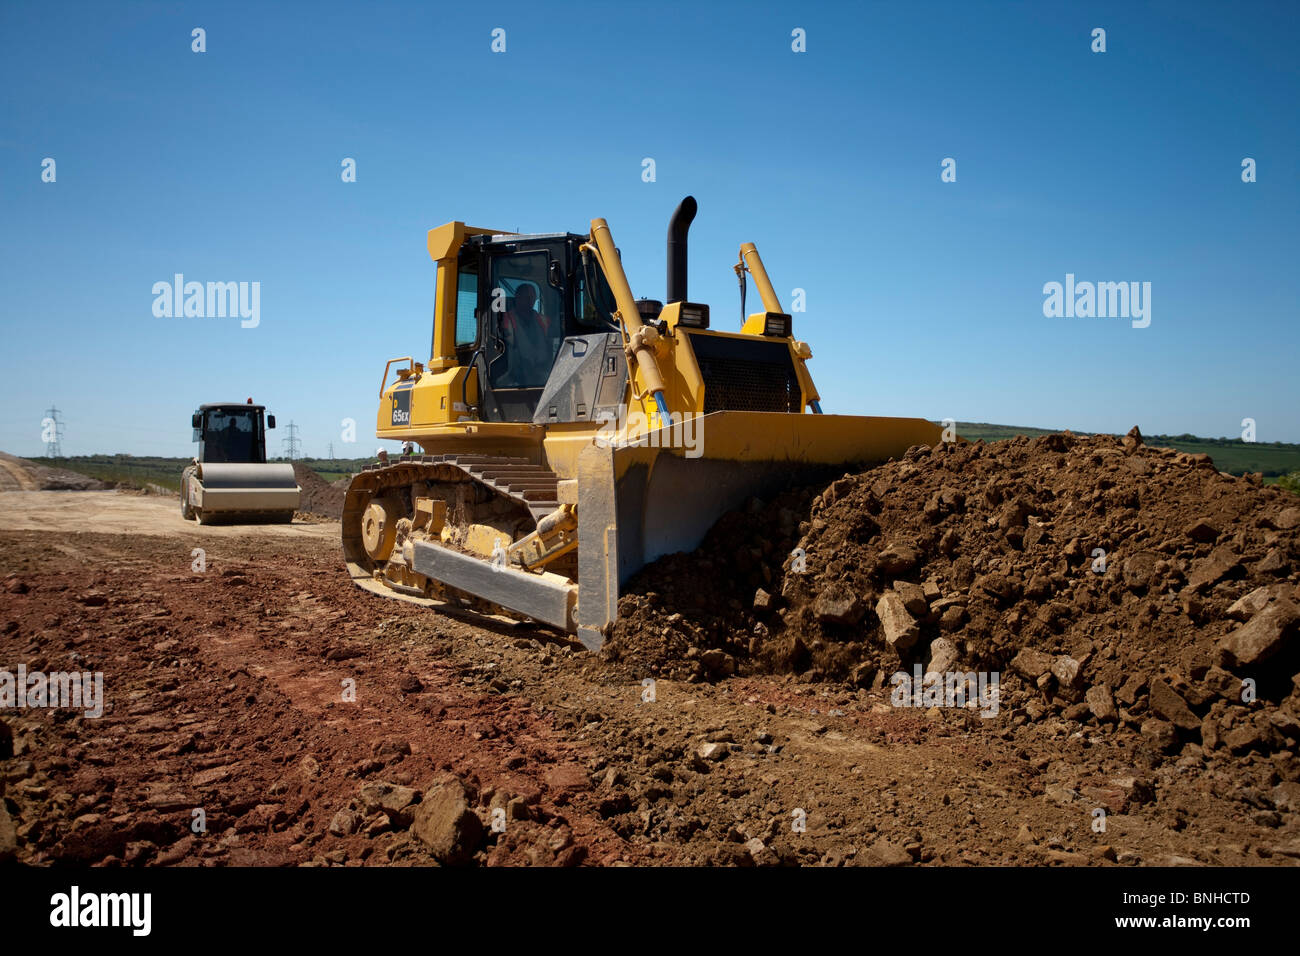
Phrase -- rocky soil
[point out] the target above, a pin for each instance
(1138, 608)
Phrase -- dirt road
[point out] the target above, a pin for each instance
(14, 477)
(114, 512)
(304, 721)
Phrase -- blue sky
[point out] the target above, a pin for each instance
(923, 298)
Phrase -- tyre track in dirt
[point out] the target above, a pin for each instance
(224, 694)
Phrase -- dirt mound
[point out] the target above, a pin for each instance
(1100, 576)
(319, 497)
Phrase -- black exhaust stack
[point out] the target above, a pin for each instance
(683, 215)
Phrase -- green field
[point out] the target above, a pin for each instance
(1271, 459)
(139, 472)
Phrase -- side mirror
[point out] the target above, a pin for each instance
(196, 420)
(270, 421)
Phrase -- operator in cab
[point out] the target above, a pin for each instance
(531, 339)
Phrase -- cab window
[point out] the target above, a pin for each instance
(528, 313)
(593, 302)
(466, 303)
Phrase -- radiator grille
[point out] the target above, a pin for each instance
(747, 386)
(746, 374)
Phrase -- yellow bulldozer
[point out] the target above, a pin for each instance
(571, 433)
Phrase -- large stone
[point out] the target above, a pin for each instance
(1119, 794)
(1160, 733)
(1286, 797)
(1210, 736)
(446, 825)
(900, 629)
(1208, 571)
(1288, 519)
(887, 853)
(837, 604)
(718, 662)
(999, 586)
(863, 674)
(1166, 702)
(567, 776)
(1263, 636)
(913, 596)
(1031, 664)
(1101, 702)
(1067, 671)
(952, 619)
(1245, 737)
(393, 799)
(713, 752)
(1039, 587)
(761, 854)
(1139, 571)
(1014, 514)
(1201, 530)
(1248, 605)
(897, 559)
(344, 823)
(1223, 683)
(1274, 562)
(943, 656)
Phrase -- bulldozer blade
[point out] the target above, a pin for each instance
(661, 495)
(544, 597)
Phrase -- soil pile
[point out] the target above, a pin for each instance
(319, 497)
(1103, 579)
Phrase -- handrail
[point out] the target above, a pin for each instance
(384, 381)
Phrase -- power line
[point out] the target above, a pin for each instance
(292, 444)
(52, 432)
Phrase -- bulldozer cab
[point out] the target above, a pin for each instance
(231, 434)
(517, 300)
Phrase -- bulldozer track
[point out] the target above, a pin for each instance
(531, 487)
